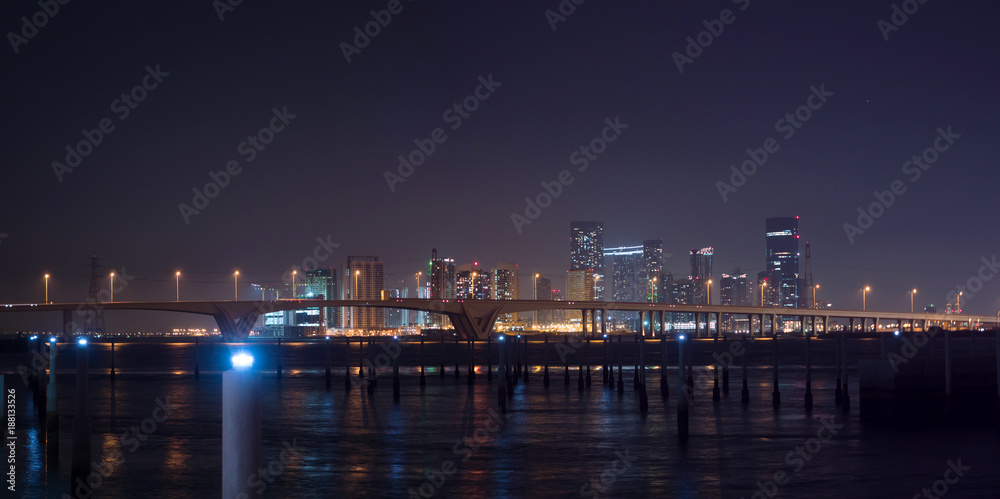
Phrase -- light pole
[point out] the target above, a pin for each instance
(112, 287)
(911, 299)
(652, 291)
(293, 283)
(236, 286)
(958, 304)
(815, 304)
(357, 273)
(178, 276)
(534, 296)
(46, 288)
(709, 297)
(472, 287)
(864, 296)
(762, 286)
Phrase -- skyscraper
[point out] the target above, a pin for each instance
(506, 282)
(652, 260)
(736, 291)
(322, 282)
(442, 285)
(782, 252)
(701, 272)
(543, 291)
(364, 278)
(580, 286)
(586, 250)
(394, 316)
(626, 271)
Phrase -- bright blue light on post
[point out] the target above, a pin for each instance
(242, 362)
(501, 337)
(52, 339)
(682, 336)
(82, 342)
(896, 333)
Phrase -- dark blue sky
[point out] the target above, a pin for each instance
(323, 174)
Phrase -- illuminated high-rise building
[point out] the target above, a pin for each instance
(735, 290)
(543, 291)
(364, 279)
(626, 281)
(322, 282)
(442, 285)
(505, 285)
(580, 286)
(701, 272)
(782, 252)
(586, 250)
(652, 260)
(473, 283)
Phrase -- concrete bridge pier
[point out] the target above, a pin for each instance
(664, 386)
(395, 370)
(745, 394)
(725, 367)
(776, 394)
(423, 380)
(682, 399)
(80, 470)
(347, 362)
(502, 372)
(566, 360)
(545, 377)
(621, 360)
(587, 380)
(809, 393)
(51, 410)
(329, 379)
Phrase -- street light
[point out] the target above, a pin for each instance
(418, 283)
(236, 286)
(293, 283)
(46, 288)
(112, 287)
(357, 273)
(652, 291)
(178, 276)
(911, 299)
(709, 284)
(762, 286)
(815, 305)
(472, 287)
(534, 296)
(958, 304)
(864, 296)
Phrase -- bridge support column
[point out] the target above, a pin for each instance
(715, 368)
(809, 394)
(621, 360)
(502, 372)
(241, 423)
(80, 470)
(682, 399)
(545, 377)
(395, 369)
(745, 393)
(51, 411)
(664, 386)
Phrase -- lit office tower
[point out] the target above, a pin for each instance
(473, 283)
(364, 279)
(683, 294)
(735, 290)
(579, 287)
(394, 316)
(782, 245)
(652, 260)
(543, 291)
(626, 269)
(505, 285)
(586, 250)
(322, 282)
(701, 272)
(442, 284)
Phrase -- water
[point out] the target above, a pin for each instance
(554, 442)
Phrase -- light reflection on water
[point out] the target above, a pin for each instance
(553, 443)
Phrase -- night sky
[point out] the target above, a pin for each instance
(323, 175)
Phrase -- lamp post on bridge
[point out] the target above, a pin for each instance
(864, 298)
(815, 303)
(534, 296)
(46, 288)
(112, 287)
(236, 286)
(178, 276)
(762, 286)
(294, 272)
(911, 299)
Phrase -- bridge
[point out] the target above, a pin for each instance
(475, 319)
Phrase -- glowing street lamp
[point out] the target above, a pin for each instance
(762, 286)
(709, 284)
(815, 303)
(864, 296)
(534, 296)
(293, 283)
(46, 288)
(178, 276)
(911, 299)
(357, 273)
(236, 286)
(652, 291)
(112, 287)
(958, 303)
(472, 287)
(242, 361)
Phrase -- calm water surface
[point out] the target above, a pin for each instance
(554, 442)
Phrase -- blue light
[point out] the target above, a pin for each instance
(518, 336)
(395, 337)
(501, 337)
(82, 342)
(896, 333)
(327, 336)
(34, 337)
(681, 337)
(52, 339)
(605, 336)
(242, 361)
